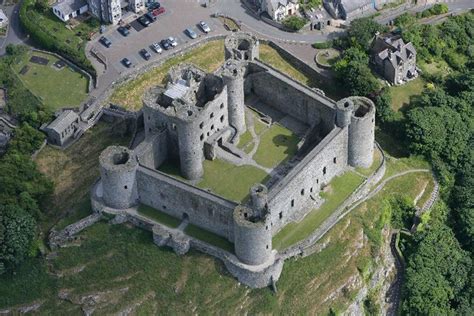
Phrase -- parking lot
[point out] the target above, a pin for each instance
(176, 18)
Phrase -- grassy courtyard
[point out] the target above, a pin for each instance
(220, 177)
(339, 189)
(277, 145)
(57, 88)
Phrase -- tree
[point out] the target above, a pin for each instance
(17, 231)
(294, 22)
(363, 30)
(383, 103)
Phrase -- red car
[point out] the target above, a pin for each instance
(158, 11)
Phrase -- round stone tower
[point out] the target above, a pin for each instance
(344, 109)
(191, 154)
(361, 133)
(118, 168)
(241, 46)
(233, 75)
(252, 233)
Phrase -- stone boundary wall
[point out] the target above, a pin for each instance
(299, 249)
(59, 239)
(91, 84)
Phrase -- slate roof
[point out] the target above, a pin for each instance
(63, 121)
(392, 48)
(69, 6)
(352, 5)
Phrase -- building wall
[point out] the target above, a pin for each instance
(176, 198)
(303, 183)
(292, 99)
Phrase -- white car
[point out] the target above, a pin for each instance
(157, 48)
(204, 27)
(172, 41)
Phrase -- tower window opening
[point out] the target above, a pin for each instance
(280, 215)
(201, 125)
(293, 203)
(212, 115)
(324, 170)
(334, 160)
(201, 137)
(222, 105)
(222, 118)
(302, 191)
(212, 127)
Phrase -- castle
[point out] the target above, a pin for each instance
(200, 116)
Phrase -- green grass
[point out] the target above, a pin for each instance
(244, 140)
(395, 166)
(402, 94)
(208, 57)
(277, 145)
(439, 67)
(56, 88)
(210, 238)
(220, 176)
(340, 189)
(375, 164)
(158, 216)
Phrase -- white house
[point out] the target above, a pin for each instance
(3, 19)
(279, 9)
(69, 9)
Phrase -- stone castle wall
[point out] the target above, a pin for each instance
(300, 188)
(180, 200)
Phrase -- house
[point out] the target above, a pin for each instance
(348, 9)
(3, 19)
(278, 9)
(63, 128)
(393, 59)
(69, 9)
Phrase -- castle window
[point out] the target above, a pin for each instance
(324, 170)
(148, 117)
(164, 207)
(317, 181)
(267, 246)
(334, 160)
(212, 114)
(280, 215)
(125, 187)
(266, 227)
(208, 134)
(201, 125)
(222, 118)
(212, 127)
(293, 203)
(173, 126)
(201, 137)
(149, 129)
(311, 190)
(302, 191)
(222, 105)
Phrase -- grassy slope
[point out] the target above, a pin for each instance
(401, 94)
(209, 57)
(340, 189)
(158, 216)
(57, 88)
(75, 169)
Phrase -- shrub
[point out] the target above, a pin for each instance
(294, 22)
(323, 45)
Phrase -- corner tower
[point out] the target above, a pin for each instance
(241, 46)
(359, 114)
(252, 233)
(118, 168)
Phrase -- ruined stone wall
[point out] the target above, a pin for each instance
(177, 198)
(293, 99)
(301, 186)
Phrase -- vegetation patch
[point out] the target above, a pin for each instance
(277, 145)
(341, 189)
(55, 87)
(402, 95)
(210, 238)
(158, 216)
(328, 57)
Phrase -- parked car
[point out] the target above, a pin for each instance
(123, 30)
(173, 42)
(153, 6)
(204, 27)
(126, 62)
(105, 41)
(165, 44)
(159, 11)
(143, 21)
(150, 17)
(189, 32)
(145, 54)
(157, 48)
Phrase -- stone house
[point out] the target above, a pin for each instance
(69, 9)
(393, 59)
(278, 10)
(63, 128)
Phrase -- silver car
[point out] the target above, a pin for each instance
(157, 48)
(172, 41)
(204, 27)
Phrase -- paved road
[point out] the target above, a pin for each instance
(15, 33)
